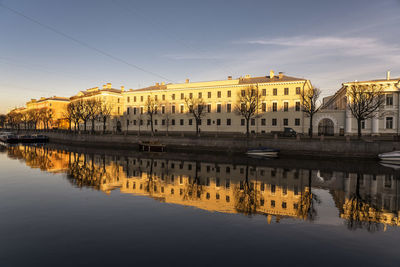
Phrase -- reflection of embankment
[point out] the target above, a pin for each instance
(246, 188)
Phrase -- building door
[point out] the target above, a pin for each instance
(326, 127)
(119, 126)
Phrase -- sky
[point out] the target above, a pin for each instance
(57, 47)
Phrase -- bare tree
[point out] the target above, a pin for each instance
(166, 115)
(248, 103)
(364, 101)
(104, 114)
(45, 116)
(34, 117)
(309, 104)
(69, 114)
(151, 110)
(2, 120)
(25, 119)
(196, 107)
(93, 107)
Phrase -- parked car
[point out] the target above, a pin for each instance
(287, 132)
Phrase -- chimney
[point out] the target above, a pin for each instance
(157, 84)
(108, 85)
(229, 77)
(280, 75)
(271, 74)
(187, 80)
(247, 76)
(388, 75)
(104, 86)
(122, 88)
(162, 83)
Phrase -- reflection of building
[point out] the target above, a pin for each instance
(363, 200)
(372, 199)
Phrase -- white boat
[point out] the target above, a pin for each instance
(263, 152)
(393, 156)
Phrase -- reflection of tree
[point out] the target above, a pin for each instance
(359, 213)
(306, 207)
(194, 189)
(245, 196)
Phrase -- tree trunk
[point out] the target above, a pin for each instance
(92, 126)
(151, 124)
(359, 128)
(104, 125)
(247, 127)
(84, 125)
(197, 126)
(310, 130)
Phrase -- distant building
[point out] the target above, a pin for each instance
(335, 116)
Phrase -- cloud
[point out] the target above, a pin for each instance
(342, 46)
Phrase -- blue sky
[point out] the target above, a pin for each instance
(94, 42)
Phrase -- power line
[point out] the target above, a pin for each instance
(81, 42)
(156, 25)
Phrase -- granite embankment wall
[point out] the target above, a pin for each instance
(295, 147)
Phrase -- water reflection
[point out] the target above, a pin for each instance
(365, 199)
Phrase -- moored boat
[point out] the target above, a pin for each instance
(263, 152)
(393, 156)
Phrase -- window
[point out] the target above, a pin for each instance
(141, 122)
(228, 121)
(119, 110)
(155, 122)
(363, 124)
(182, 109)
(127, 122)
(173, 109)
(190, 95)
(208, 121)
(389, 100)
(297, 122)
(263, 122)
(264, 107)
(297, 106)
(218, 121)
(163, 109)
(286, 91)
(219, 94)
(173, 96)
(229, 108)
(163, 97)
(182, 96)
(199, 121)
(285, 122)
(173, 122)
(273, 203)
(182, 122)
(275, 91)
(156, 97)
(134, 122)
(284, 205)
(274, 106)
(264, 92)
(227, 198)
(209, 94)
(297, 90)
(200, 95)
(253, 122)
(229, 93)
(134, 99)
(209, 108)
(141, 98)
(389, 122)
(127, 111)
(134, 111)
(227, 183)
(128, 99)
(274, 122)
(163, 122)
(219, 108)
(242, 122)
(285, 106)
(243, 92)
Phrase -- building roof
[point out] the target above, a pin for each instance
(151, 88)
(95, 92)
(56, 98)
(267, 79)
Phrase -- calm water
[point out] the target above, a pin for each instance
(64, 206)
